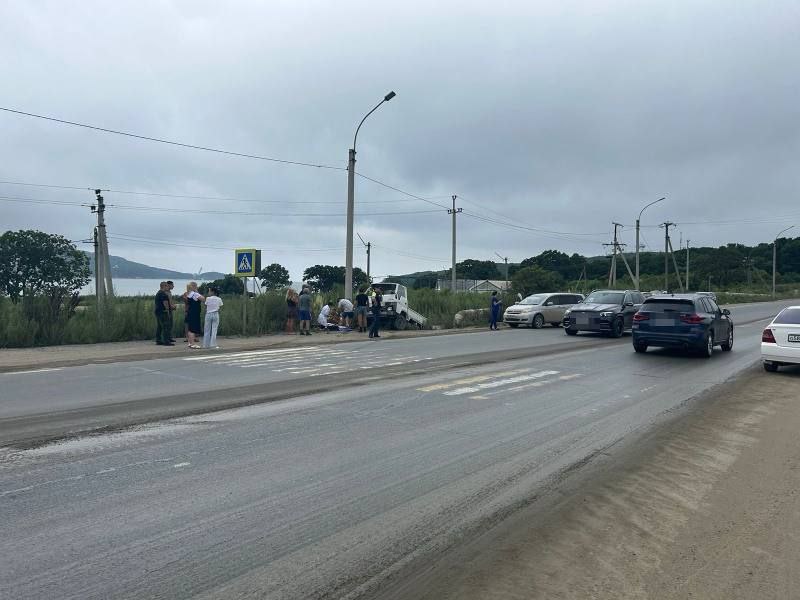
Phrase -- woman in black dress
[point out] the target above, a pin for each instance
(291, 309)
(193, 301)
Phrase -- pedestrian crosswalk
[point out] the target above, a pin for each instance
(483, 386)
(313, 362)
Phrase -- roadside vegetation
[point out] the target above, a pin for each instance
(41, 274)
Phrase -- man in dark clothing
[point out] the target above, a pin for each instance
(377, 300)
(494, 311)
(170, 287)
(362, 306)
(162, 313)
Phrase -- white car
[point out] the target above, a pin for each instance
(538, 309)
(780, 342)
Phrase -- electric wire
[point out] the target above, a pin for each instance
(203, 211)
(190, 197)
(172, 142)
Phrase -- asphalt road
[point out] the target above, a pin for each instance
(338, 493)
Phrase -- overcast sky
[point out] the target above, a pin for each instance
(558, 116)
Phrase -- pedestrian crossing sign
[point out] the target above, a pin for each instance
(248, 262)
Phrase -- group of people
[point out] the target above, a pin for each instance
(193, 302)
(344, 314)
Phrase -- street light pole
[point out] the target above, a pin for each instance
(351, 184)
(775, 258)
(637, 237)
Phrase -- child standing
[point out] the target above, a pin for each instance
(213, 304)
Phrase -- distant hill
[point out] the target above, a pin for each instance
(127, 269)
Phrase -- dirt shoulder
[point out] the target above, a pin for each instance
(707, 506)
(17, 359)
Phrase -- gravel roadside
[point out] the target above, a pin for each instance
(707, 506)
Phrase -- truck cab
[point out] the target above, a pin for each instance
(395, 311)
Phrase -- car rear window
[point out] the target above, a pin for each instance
(680, 306)
(789, 316)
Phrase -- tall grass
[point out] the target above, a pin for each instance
(131, 318)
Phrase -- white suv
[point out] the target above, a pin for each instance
(538, 309)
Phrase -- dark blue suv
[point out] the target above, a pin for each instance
(689, 321)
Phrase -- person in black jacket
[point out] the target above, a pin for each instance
(377, 301)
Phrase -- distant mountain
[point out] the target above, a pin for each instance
(127, 269)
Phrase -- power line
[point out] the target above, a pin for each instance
(171, 142)
(518, 223)
(543, 233)
(405, 193)
(205, 211)
(408, 254)
(189, 197)
(191, 244)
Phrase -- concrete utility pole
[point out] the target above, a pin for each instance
(505, 260)
(687, 263)
(637, 238)
(368, 246)
(351, 184)
(775, 257)
(103, 283)
(454, 212)
(666, 227)
(675, 264)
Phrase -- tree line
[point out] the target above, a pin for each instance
(37, 264)
(729, 265)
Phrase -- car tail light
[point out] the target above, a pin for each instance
(768, 337)
(641, 317)
(692, 319)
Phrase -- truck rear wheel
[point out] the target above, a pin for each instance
(400, 322)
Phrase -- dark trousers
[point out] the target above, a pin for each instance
(376, 323)
(163, 329)
(493, 319)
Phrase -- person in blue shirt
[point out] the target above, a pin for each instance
(494, 311)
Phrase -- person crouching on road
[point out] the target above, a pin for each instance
(345, 309)
(377, 301)
(304, 306)
(162, 315)
(362, 306)
(322, 319)
(193, 299)
(213, 304)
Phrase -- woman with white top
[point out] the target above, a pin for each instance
(213, 304)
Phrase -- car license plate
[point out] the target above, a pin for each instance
(582, 320)
(663, 322)
(794, 337)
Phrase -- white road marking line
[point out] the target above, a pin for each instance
(181, 465)
(467, 380)
(498, 383)
(32, 371)
(16, 491)
(104, 471)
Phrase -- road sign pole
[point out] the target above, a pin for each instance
(244, 309)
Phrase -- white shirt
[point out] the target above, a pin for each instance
(323, 315)
(345, 305)
(193, 295)
(213, 303)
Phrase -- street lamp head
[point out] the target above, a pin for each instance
(389, 96)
